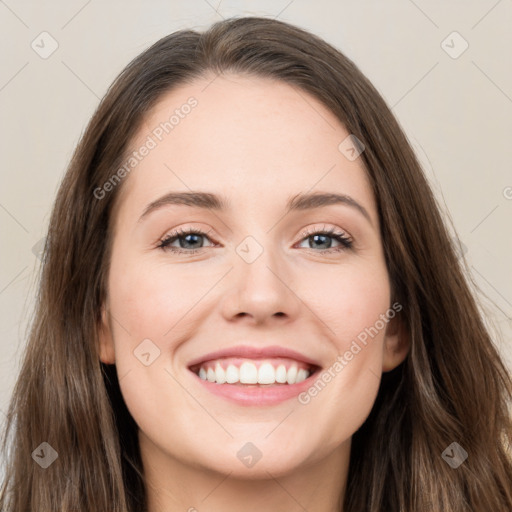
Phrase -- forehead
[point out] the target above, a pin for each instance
(247, 138)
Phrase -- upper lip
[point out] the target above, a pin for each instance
(251, 352)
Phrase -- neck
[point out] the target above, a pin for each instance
(172, 485)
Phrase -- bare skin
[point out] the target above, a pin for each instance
(256, 142)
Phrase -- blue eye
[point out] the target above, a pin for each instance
(191, 237)
(320, 237)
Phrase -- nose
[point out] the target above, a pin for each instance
(261, 291)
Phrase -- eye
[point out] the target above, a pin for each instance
(322, 239)
(188, 241)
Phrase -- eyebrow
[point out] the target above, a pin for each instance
(209, 201)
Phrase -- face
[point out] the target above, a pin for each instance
(263, 290)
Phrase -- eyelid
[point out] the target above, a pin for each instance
(181, 232)
(346, 241)
(327, 230)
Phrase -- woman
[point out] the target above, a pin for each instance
(257, 369)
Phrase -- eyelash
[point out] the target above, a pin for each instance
(164, 244)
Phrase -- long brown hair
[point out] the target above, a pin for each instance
(452, 386)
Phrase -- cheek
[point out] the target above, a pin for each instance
(349, 397)
(344, 392)
(350, 301)
(150, 301)
(353, 308)
(149, 306)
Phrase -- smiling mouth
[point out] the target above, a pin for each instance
(264, 372)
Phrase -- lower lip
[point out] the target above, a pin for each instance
(257, 395)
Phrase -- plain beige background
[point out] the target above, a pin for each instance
(454, 103)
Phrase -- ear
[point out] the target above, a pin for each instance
(396, 344)
(107, 353)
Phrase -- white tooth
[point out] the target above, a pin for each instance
(281, 374)
(301, 375)
(266, 374)
(202, 373)
(210, 375)
(292, 374)
(232, 374)
(248, 373)
(220, 374)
